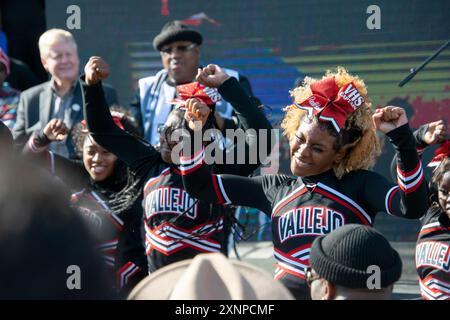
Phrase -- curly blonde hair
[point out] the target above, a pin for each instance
(363, 154)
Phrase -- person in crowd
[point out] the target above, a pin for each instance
(45, 247)
(98, 185)
(331, 129)
(433, 243)
(180, 48)
(177, 226)
(210, 277)
(368, 273)
(58, 98)
(9, 97)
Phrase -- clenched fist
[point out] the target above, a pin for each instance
(211, 76)
(96, 69)
(436, 132)
(389, 118)
(56, 130)
(197, 113)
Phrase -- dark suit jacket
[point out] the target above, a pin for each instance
(21, 77)
(35, 111)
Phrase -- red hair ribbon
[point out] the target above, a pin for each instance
(117, 118)
(331, 103)
(196, 90)
(442, 152)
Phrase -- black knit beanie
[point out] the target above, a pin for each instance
(176, 31)
(343, 256)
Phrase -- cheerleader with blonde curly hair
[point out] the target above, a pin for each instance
(359, 130)
(332, 136)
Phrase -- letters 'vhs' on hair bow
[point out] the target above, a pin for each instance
(210, 96)
(440, 154)
(331, 103)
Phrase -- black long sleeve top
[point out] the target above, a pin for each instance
(177, 226)
(303, 208)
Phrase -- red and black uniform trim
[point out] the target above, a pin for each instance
(303, 208)
(118, 236)
(433, 255)
(177, 226)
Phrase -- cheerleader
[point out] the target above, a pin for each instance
(99, 185)
(433, 244)
(331, 130)
(177, 226)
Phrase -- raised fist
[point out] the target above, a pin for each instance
(197, 113)
(56, 130)
(436, 133)
(389, 118)
(96, 69)
(211, 76)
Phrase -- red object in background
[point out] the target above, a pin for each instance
(197, 19)
(440, 154)
(429, 111)
(165, 8)
(196, 90)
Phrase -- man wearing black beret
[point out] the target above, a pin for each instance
(180, 47)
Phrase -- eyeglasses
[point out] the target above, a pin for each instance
(310, 277)
(182, 48)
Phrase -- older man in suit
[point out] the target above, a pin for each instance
(59, 98)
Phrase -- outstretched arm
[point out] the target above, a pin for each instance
(409, 198)
(100, 122)
(69, 171)
(201, 184)
(425, 136)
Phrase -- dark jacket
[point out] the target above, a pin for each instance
(35, 111)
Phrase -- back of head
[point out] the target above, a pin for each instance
(350, 255)
(42, 241)
(210, 276)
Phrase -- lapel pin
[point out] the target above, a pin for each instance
(76, 107)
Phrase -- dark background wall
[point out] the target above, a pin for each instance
(275, 42)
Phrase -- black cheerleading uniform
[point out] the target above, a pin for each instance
(421, 146)
(303, 208)
(433, 255)
(433, 243)
(177, 226)
(118, 235)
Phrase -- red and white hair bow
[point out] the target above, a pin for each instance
(210, 96)
(442, 152)
(331, 103)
